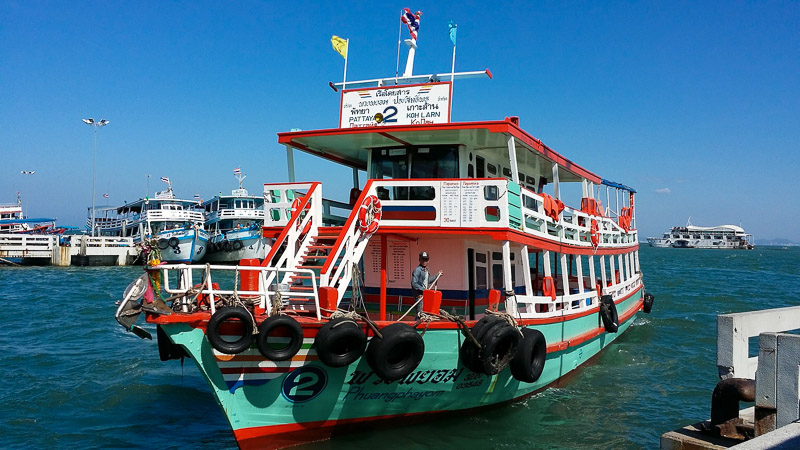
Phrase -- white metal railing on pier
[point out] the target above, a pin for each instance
(14, 245)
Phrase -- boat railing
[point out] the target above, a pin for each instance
(541, 306)
(162, 215)
(214, 281)
(21, 241)
(301, 226)
(254, 214)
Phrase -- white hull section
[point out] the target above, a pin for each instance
(185, 245)
(234, 246)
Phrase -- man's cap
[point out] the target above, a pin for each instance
(424, 255)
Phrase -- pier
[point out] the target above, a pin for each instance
(57, 250)
(770, 380)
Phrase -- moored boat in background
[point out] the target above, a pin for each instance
(690, 236)
(172, 225)
(234, 225)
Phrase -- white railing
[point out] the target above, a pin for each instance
(163, 214)
(200, 279)
(17, 242)
(540, 306)
(735, 330)
(302, 224)
(245, 214)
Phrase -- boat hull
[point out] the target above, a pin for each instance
(278, 404)
(191, 245)
(224, 247)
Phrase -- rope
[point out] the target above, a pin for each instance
(443, 314)
(507, 317)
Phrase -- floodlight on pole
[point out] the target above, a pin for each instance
(100, 123)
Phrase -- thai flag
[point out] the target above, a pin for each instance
(197, 197)
(411, 21)
(165, 179)
(105, 195)
(237, 171)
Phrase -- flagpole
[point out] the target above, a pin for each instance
(346, 54)
(399, 41)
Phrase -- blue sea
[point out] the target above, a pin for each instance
(72, 377)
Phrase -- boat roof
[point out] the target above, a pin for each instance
(348, 145)
(136, 206)
(27, 220)
(716, 228)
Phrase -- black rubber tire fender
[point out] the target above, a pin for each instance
(397, 353)
(288, 325)
(340, 342)
(608, 314)
(237, 245)
(163, 244)
(226, 245)
(647, 303)
(230, 313)
(498, 346)
(528, 364)
(469, 351)
(173, 242)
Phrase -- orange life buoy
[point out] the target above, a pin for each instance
(295, 206)
(369, 215)
(549, 287)
(599, 288)
(595, 233)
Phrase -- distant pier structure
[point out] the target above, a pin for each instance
(71, 250)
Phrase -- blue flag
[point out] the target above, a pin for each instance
(453, 29)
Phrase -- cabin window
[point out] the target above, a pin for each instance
(530, 180)
(506, 172)
(480, 165)
(492, 169)
(480, 257)
(470, 171)
(441, 162)
(490, 193)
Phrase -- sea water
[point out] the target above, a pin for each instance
(73, 378)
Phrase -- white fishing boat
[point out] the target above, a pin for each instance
(234, 225)
(690, 236)
(173, 225)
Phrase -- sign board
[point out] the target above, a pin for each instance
(411, 104)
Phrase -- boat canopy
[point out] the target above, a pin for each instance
(351, 146)
(614, 184)
(26, 220)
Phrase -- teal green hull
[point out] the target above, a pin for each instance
(285, 403)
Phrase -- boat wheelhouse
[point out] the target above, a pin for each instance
(173, 225)
(234, 224)
(325, 333)
(690, 236)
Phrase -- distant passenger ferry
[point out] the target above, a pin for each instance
(690, 236)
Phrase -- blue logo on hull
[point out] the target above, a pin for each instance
(303, 384)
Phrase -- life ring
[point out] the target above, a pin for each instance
(369, 214)
(237, 245)
(397, 354)
(608, 314)
(595, 233)
(284, 325)
(647, 303)
(528, 364)
(295, 207)
(340, 342)
(173, 242)
(498, 343)
(163, 244)
(549, 287)
(222, 315)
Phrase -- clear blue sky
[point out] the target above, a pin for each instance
(694, 104)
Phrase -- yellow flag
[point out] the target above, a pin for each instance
(340, 45)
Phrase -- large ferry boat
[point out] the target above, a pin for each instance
(172, 225)
(234, 225)
(690, 236)
(325, 335)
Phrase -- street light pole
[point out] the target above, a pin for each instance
(99, 123)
